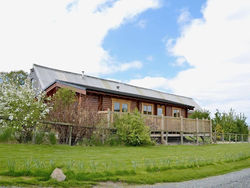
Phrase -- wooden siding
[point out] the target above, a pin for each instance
(169, 111)
(133, 105)
(100, 101)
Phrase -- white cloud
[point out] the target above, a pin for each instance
(217, 47)
(141, 23)
(184, 16)
(180, 61)
(65, 34)
(126, 66)
(151, 82)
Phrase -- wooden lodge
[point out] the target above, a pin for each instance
(165, 113)
(106, 94)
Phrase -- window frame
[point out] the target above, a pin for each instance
(121, 102)
(147, 105)
(163, 109)
(179, 109)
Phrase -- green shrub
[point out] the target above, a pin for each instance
(132, 130)
(39, 137)
(6, 135)
(52, 138)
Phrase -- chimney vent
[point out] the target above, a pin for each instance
(118, 87)
(82, 74)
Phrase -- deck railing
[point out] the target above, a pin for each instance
(166, 123)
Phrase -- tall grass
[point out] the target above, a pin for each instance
(80, 170)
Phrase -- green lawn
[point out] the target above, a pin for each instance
(85, 166)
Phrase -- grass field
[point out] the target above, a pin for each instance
(25, 165)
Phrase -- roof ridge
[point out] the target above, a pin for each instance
(112, 81)
(56, 69)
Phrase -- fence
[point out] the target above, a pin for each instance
(167, 126)
(162, 127)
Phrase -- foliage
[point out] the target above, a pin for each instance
(6, 135)
(52, 138)
(64, 97)
(132, 130)
(230, 122)
(14, 77)
(66, 109)
(42, 137)
(200, 114)
(23, 107)
(39, 138)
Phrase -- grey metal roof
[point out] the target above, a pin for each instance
(47, 76)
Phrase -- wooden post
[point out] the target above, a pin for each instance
(211, 132)
(70, 134)
(162, 129)
(222, 137)
(108, 117)
(242, 138)
(215, 135)
(203, 128)
(229, 139)
(166, 129)
(166, 141)
(197, 131)
(235, 137)
(248, 138)
(181, 130)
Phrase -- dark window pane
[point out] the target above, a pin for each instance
(117, 107)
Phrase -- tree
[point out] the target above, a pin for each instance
(15, 77)
(21, 105)
(230, 122)
(200, 114)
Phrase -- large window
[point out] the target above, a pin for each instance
(159, 111)
(176, 112)
(119, 105)
(124, 107)
(148, 109)
(116, 107)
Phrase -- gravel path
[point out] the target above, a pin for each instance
(239, 179)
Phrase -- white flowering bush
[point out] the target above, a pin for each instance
(22, 107)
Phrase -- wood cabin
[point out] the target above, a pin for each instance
(105, 94)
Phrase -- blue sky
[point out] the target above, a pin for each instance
(147, 43)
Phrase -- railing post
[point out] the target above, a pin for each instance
(211, 132)
(235, 137)
(248, 138)
(166, 129)
(203, 129)
(162, 129)
(70, 134)
(197, 131)
(108, 117)
(215, 135)
(222, 137)
(181, 130)
(242, 138)
(229, 137)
